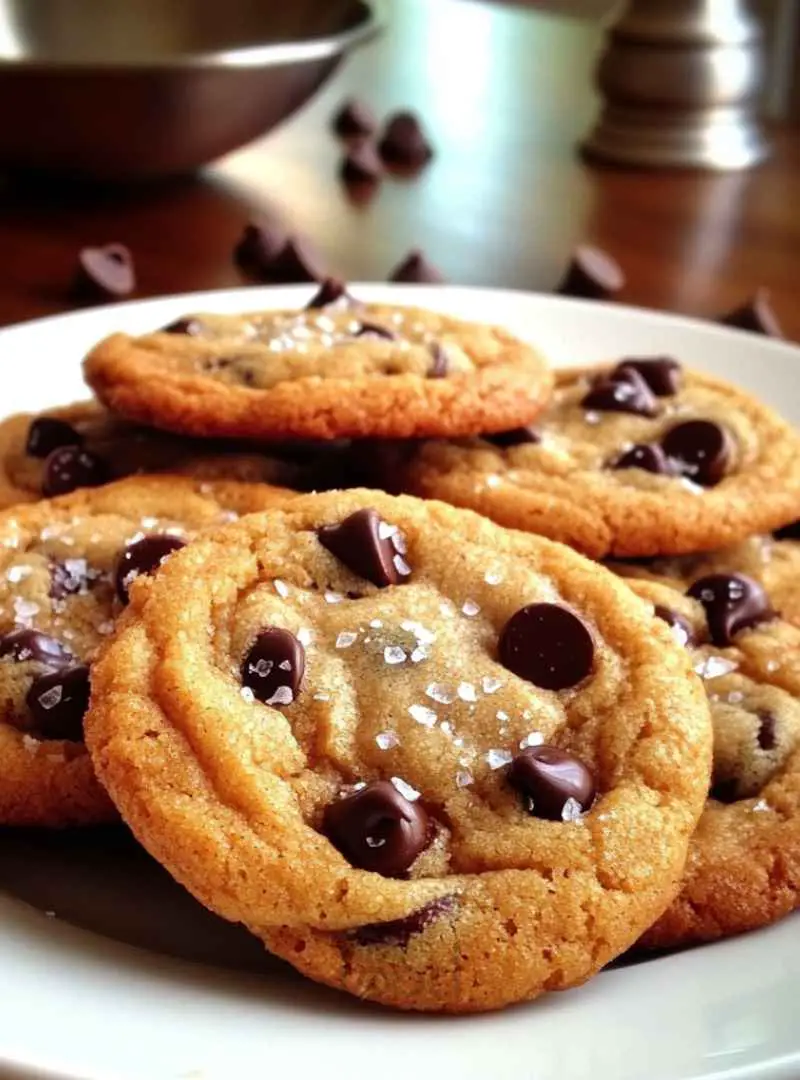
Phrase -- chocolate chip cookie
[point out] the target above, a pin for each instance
(744, 860)
(430, 761)
(337, 368)
(66, 567)
(641, 458)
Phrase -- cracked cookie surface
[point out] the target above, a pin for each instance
(427, 760)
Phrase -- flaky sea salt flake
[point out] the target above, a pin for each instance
(571, 811)
(405, 789)
(496, 759)
(533, 738)
(281, 588)
(464, 778)
(346, 639)
(423, 715)
(490, 685)
(393, 654)
(466, 691)
(470, 608)
(401, 566)
(492, 577)
(386, 740)
(440, 692)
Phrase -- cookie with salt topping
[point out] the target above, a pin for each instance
(429, 761)
(335, 369)
(643, 457)
(66, 566)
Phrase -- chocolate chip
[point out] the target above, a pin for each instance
(361, 164)
(143, 557)
(354, 118)
(34, 645)
(439, 361)
(330, 291)
(58, 702)
(377, 829)
(415, 269)
(725, 791)
(47, 434)
(367, 546)
(398, 932)
(682, 629)
(517, 436)
(68, 578)
(105, 273)
(69, 468)
(622, 391)
(661, 373)
(592, 275)
(700, 450)
(191, 327)
(767, 733)
(274, 666)
(371, 329)
(404, 143)
(647, 456)
(756, 315)
(788, 532)
(547, 645)
(549, 779)
(732, 602)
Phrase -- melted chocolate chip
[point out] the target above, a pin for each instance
(415, 269)
(367, 546)
(330, 291)
(682, 629)
(700, 450)
(732, 602)
(354, 118)
(191, 327)
(143, 557)
(404, 142)
(548, 778)
(647, 456)
(377, 829)
(274, 666)
(69, 468)
(371, 329)
(756, 315)
(622, 391)
(105, 273)
(361, 164)
(439, 361)
(68, 578)
(788, 532)
(547, 645)
(661, 373)
(591, 275)
(398, 932)
(767, 731)
(58, 702)
(518, 436)
(47, 434)
(34, 645)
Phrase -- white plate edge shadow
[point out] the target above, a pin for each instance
(676, 1018)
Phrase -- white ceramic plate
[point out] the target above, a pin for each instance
(75, 1004)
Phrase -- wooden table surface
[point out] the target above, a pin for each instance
(506, 92)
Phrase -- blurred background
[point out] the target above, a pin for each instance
(506, 94)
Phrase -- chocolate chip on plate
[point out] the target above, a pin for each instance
(104, 273)
(47, 434)
(368, 546)
(732, 602)
(592, 274)
(354, 117)
(26, 644)
(361, 164)
(439, 361)
(372, 329)
(58, 702)
(330, 292)
(788, 532)
(547, 645)
(661, 373)
(398, 932)
(682, 629)
(415, 269)
(143, 557)
(621, 391)
(377, 828)
(404, 142)
(756, 315)
(700, 450)
(647, 456)
(555, 785)
(274, 666)
(190, 327)
(69, 468)
(515, 437)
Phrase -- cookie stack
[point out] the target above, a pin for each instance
(440, 756)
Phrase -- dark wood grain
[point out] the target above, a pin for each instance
(506, 92)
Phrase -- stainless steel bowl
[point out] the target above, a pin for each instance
(126, 89)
